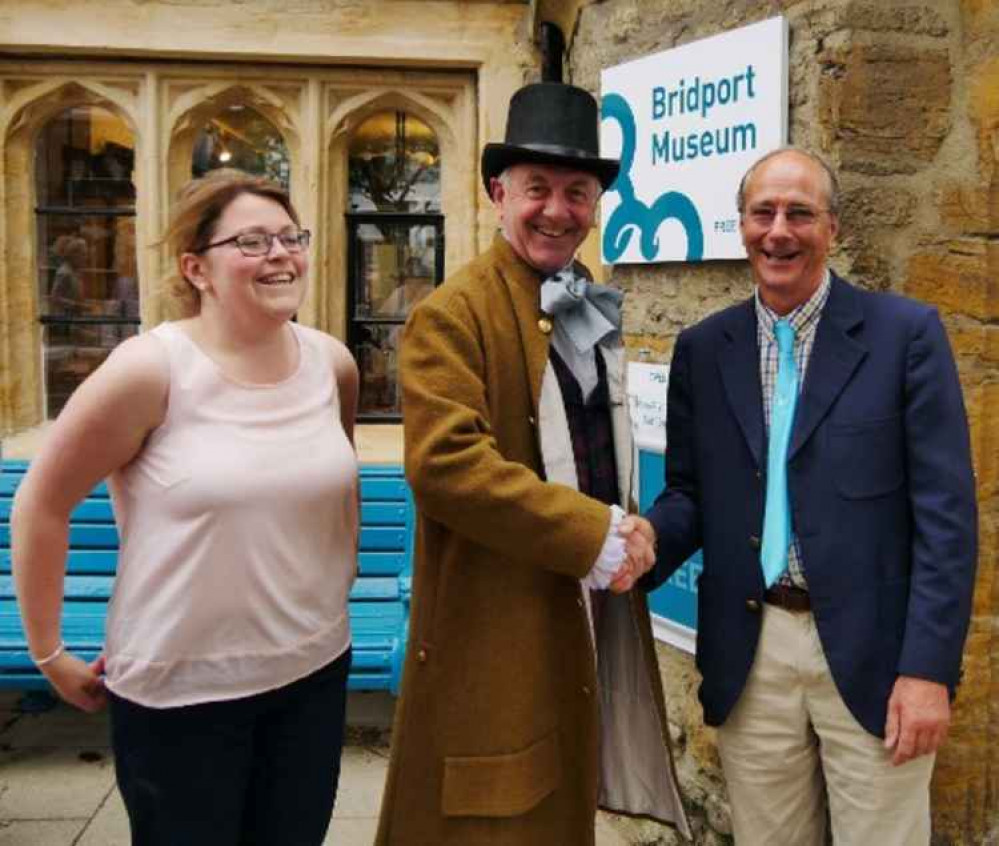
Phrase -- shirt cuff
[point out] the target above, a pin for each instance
(611, 555)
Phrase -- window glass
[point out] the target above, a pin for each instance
(396, 251)
(85, 244)
(394, 165)
(242, 138)
(396, 267)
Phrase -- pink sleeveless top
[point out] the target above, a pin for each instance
(236, 532)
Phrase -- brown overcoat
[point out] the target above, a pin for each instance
(511, 728)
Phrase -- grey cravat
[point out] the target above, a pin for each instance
(584, 315)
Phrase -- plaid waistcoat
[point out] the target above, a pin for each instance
(590, 430)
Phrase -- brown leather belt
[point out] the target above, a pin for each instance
(788, 597)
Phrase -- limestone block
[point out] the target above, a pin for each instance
(983, 408)
(970, 209)
(719, 815)
(980, 19)
(984, 111)
(864, 259)
(890, 17)
(884, 107)
(960, 278)
(655, 349)
(977, 341)
(664, 298)
(862, 208)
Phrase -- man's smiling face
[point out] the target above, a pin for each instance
(787, 228)
(546, 212)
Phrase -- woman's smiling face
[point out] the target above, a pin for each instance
(271, 285)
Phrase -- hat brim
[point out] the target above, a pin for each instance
(498, 157)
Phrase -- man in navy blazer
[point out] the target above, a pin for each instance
(833, 685)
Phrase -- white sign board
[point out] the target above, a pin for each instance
(687, 123)
(647, 385)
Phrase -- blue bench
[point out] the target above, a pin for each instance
(379, 601)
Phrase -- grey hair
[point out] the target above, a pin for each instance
(506, 180)
(831, 179)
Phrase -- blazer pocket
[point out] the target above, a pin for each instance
(501, 785)
(868, 457)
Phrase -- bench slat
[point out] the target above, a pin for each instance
(375, 513)
(96, 510)
(99, 588)
(100, 536)
(83, 624)
(10, 481)
(105, 562)
(383, 489)
(78, 562)
(91, 510)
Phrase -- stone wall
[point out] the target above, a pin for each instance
(903, 98)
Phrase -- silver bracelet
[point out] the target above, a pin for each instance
(48, 659)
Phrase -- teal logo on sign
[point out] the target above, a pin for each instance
(632, 213)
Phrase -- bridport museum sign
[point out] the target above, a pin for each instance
(687, 123)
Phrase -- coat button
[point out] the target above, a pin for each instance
(545, 325)
(586, 690)
(759, 474)
(579, 601)
(421, 656)
(754, 541)
(753, 605)
(531, 420)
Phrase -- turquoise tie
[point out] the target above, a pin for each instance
(777, 518)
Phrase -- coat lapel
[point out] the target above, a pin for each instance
(739, 362)
(524, 285)
(835, 357)
(617, 390)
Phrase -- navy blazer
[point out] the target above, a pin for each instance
(881, 488)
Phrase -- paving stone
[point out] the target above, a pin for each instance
(109, 827)
(63, 727)
(607, 835)
(53, 784)
(357, 831)
(9, 700)
(362, 780)
(40, 832)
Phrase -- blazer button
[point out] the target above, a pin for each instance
(545, 325)
(754, 541)
(531, 420)
(421, 656)
(586, 690)
(759, 475)
(753, 605)
(579, 601)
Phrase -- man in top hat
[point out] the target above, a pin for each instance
(530, 693)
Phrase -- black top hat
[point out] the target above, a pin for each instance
(550, 123)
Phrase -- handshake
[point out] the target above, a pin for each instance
(628, 554)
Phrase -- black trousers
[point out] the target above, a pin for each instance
(256, 771)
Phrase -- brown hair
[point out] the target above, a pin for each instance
(71, 248)
(193, 219)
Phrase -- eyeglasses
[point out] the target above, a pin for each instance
(257, 244)
(796, 217)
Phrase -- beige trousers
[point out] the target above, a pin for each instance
(790, 746)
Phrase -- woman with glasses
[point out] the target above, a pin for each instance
(227, 437)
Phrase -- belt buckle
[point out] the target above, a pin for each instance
(789, 597)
